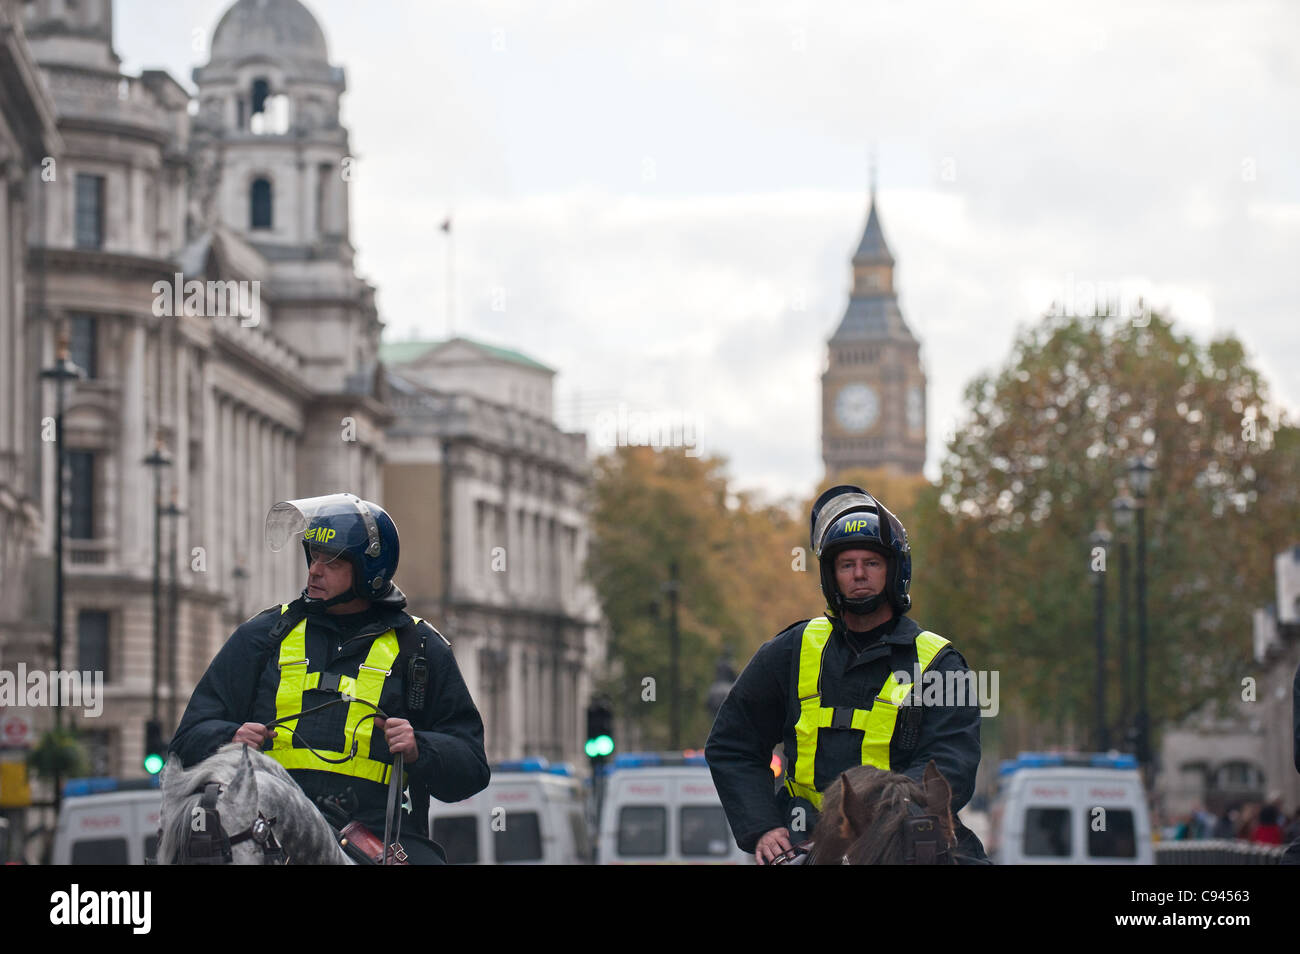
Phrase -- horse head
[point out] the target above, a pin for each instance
(870, 816)
(243, 802)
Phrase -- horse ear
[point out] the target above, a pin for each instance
(938, 793)
(849, 808)
(244, 783)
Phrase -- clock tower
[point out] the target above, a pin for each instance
(873, 389)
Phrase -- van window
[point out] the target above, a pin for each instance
(521, 840)
(1118, 840)
(704, 831)
(100, 851)
(643, 830)
(458, 835)
(1047, 833)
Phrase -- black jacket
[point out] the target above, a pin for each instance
(759, 713)
(240, 686)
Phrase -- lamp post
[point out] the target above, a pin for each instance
(1139, 470)
(61, 372)
(672, 588)
(1123, 507)
(173, 511)
(157, 460)
(1101, 538)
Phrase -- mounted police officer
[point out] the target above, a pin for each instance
(337, 683)
(837, 690)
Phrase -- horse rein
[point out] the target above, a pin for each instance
(377, 714)
(393, 853)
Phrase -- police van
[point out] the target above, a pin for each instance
(531, 813)
(108, 821)
(663, 809)
(1071, 809)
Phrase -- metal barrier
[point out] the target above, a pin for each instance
(1217, 851)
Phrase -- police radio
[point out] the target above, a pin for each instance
(417, 679)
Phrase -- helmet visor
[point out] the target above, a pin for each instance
(835, 508)
(309, 521)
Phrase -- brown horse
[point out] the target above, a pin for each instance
(872, 817)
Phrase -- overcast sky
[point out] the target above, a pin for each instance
(660, 199)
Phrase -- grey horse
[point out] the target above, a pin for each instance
(251, 782)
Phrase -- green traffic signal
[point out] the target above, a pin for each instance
(601, 745)
(154, 747)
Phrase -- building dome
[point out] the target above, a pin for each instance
(279, 29)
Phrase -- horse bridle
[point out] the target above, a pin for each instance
(210, 845)
(921, 841)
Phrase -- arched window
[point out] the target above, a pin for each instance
(259, 195)
(261, 89)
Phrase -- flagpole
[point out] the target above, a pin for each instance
(451, 276)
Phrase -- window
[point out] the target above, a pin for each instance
(1118, 840)
(92, 642)
(642, 830)
(90, 211)
(82, 343)
(704, 831)
(521, 839)
(100, 851)
(81, 495)
(458, 835)
(261, 89)
(259, 195)
(1047, 833)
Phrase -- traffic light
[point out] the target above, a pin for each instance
(600, 730)
(155, 752)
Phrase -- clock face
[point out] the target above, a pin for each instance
(915, 409)
(856, 407)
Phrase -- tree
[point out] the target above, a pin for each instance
(1003, 537)
(737, 569)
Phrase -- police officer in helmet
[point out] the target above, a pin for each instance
(816, 687)
(345, 648)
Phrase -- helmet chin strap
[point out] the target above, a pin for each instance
(860, 607)
(315, 606)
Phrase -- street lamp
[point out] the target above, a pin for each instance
(1139, 472)
(1123, 507)
(1101, 538)
(673, 588)
(61, 372)
(157, 460)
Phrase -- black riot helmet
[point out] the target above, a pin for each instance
(340, 526)
(848, 518)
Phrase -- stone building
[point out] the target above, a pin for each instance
(259, 383)
(201, 265)
(29, 144)
(873, 389)
(491, 496)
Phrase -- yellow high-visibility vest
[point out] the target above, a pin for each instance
(296, 678)
(877, 724)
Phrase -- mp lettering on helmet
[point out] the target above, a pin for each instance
(854, 525)
(319, 534)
